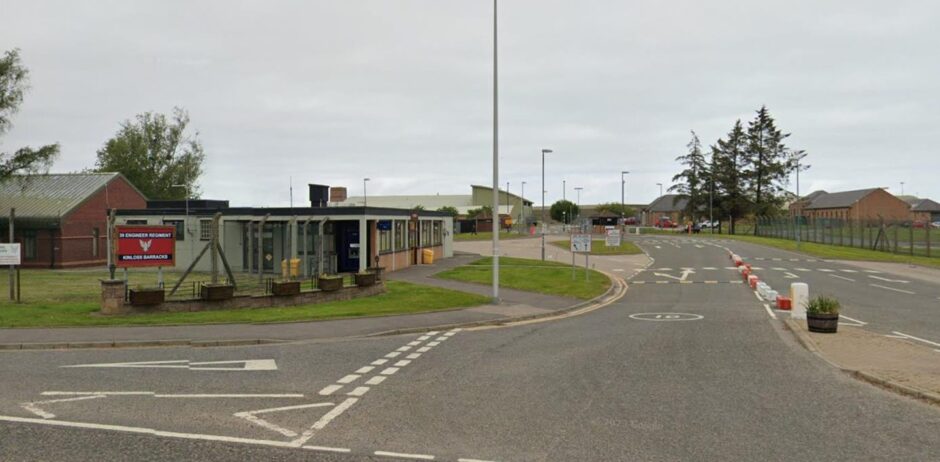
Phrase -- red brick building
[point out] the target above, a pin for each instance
(61, 219)
(862, 204)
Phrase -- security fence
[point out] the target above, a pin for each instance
(899, 237)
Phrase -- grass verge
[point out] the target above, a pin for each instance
(543, 277)
(487, 236)
(599, 247)
(401, 298)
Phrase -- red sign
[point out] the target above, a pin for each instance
(139, 246)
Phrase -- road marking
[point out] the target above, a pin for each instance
(389, 371)
(423, 349)
(789, 275)
(802, 269)
(662, 282)
(826, 270)
(402, 363)
(771, 313)
(379, 362)
(779, 269)
(889, 280)
(473, 460)
(872, 271)
(253, 418)
(711, 282)
(665, 269)
(323, 422)
(348, 379)
(365, 370)
(658, 247)
(415, 343)
(393, 354)
(327, 449)
(842, 277)
(32, 407)
(853, 320)
(358, 391)
(666, 317)
(758, 296)
(402, 455)
(375, 380)
(848, 271)
(709, 268)
(414, 356)
(433, 344)
(404, 349)
(329, 390)
(105, 393)
(440, 339)
(618, 270)
(892, 288)
(916, 338)
(247, 365)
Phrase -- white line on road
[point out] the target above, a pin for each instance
(379, 362)
(414, 356)
(251, 417)
(433, 344)
(375, 380)
(358, 391)
(853, 319)
(393, 354)
(324, 448)
(916, 338)
(402, 455)
(826, 270)
(323, 422)
(842, 277)
(771, 313)
(790, 275)
(848, 271)
(758, 296)
(802, 269)
(892, 288)
(404, 348)
(415, 343)
(389, 371)
(403, 363)
(888, 280)
(32, 407)
(348, 379)
(423, 349)
(329, 390)
(365, 370)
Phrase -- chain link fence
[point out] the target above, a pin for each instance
(899, 237)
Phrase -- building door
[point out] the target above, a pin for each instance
(347, 246)
(267, 247)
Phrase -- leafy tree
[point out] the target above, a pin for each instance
(418, 207)
(480, 213)
(728, 160)
(768, 163)
(14, 81)
(563, 210)
(154, 153)
(452, 211)
(692, 182)
(615, 208)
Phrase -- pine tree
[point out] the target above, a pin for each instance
(691, 183)
(767, 163)
(728, 160)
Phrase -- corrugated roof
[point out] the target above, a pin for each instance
(668, 203)
(839, 199)
(926, 205)
(49, 196)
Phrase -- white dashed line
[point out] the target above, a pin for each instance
(402, 363)
(842, 277)
(415, 343)
(848, 271)
(348, 379)
(379, 362)
(423, 349)
(826, 270)
(327, 449)
(402, 455)
(389, 371)
(433, 344)
(404, 348)
(771, 313)
(358, 391)
(892, 288)
(329, 390)
(365, 370)
(414, 356)
(393, 354)
(375, 380)
(916, 338)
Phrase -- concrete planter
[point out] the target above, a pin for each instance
(330, 284)
(823, 323)
(365, 279)
(284, 288)
(147, 297)
(215, 292)
(378, 270)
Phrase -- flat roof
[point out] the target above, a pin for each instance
(284, 211)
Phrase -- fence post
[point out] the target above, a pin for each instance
(841, 234)
(929, 224)
(911, 234)
(895, 238)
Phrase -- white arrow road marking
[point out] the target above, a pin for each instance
(252, 417)
(901, 281)
(790, 275)
(247, 365)
(685, 274)
(35, 409)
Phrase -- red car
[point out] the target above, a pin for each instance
(665, 222)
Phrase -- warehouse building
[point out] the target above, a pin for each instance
(331, 240)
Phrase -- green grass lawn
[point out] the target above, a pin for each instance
(599, 247)
(835, 252)
(71, 298)
(487, 236)
(545, 277)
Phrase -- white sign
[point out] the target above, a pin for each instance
(613, 238)
(10, 254)
(581, 243)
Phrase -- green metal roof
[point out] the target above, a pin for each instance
(48, 197)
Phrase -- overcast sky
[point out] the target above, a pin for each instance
(400, 90)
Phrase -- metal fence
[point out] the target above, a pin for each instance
(899, 237)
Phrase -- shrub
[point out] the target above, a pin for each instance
(823, 304)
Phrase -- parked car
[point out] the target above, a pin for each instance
(935, 224)
(665, 222)
(629, 221)
(919, 224)
(705, 224)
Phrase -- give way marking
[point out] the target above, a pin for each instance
(685, 274)
(244, 365)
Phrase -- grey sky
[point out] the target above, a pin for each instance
(399, 90)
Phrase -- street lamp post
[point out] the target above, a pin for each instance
(623, 182)
(578, 189)
(495, 159)
(365, 196)
(660, 189)
(544, 151)
(524, 225)
(508, 206)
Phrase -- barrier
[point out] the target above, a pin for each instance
(752, 281)
(783, 303)
(799, 296)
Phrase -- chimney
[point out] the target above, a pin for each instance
(338, 194)
(319, 194)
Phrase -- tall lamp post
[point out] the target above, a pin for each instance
(495, 160)
(365, 196)
(544, 151)
(660, 189)
(578, 189)
(524, 225)
(623, 182)
(508, 206)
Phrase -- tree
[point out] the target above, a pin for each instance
(615, 208)
(480, 213)
(563, 210)
(768, 163)
(155, 154)
(728, 159)
(452, 211)
(14, 81)
(691, 183)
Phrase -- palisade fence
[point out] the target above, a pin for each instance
(899, 237)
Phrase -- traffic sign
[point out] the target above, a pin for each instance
(581, 243)
(613, 238)
(10, 254)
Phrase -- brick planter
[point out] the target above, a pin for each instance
(285, 288)
(365, 279)
(377, 270)
(330, 284)
(214, 292)
(147, 297)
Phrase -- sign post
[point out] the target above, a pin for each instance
(580, 243)
(613, 238)
(10, 255)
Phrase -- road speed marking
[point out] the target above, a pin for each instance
(666, 317)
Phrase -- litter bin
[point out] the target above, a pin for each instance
(427, 256)
(294, 267)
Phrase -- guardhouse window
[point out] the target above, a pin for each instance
(205, 230)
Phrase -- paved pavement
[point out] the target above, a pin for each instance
(675, 371)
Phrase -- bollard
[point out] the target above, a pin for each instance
(783, 303)
(745, 273)
(752, 281)
(799, 296)
(771, 295)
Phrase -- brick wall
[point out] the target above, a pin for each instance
(880, 204)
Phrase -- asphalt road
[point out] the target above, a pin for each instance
(673, 371)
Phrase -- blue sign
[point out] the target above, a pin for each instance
(384, 225)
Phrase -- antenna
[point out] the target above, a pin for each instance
(291, 182)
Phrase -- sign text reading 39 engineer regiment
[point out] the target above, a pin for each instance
(139, 246)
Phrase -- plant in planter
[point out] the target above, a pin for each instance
(822, 314)
(330, 283)
(365, 279)
(284, 288)
(213, 292)
(144, 296)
